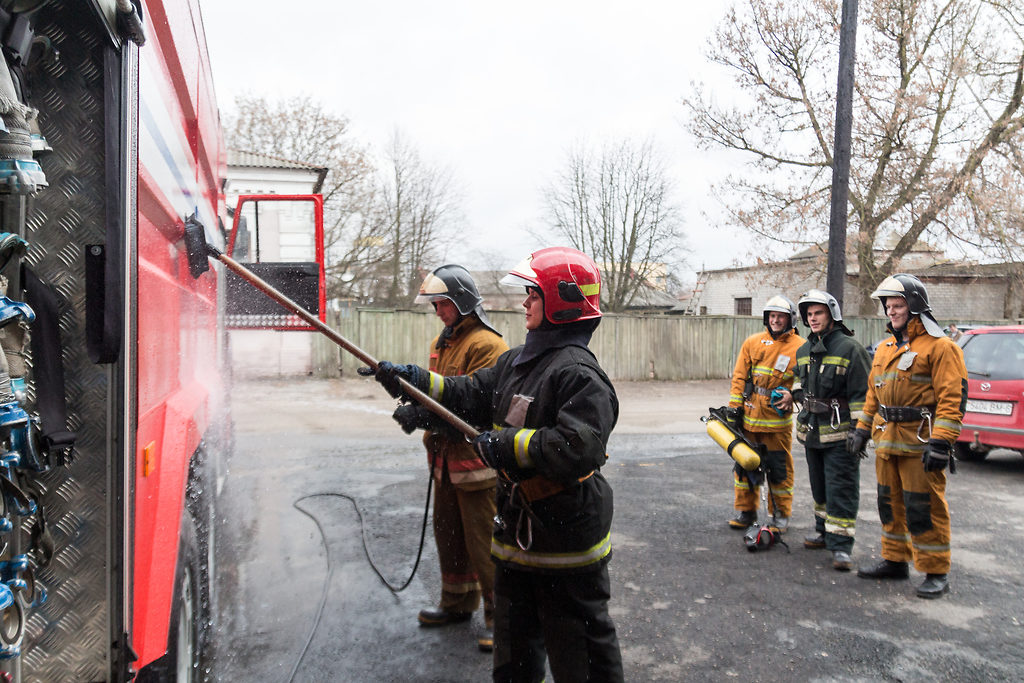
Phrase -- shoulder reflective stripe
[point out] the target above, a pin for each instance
(521, 446)
(435, 386)
(529, 558)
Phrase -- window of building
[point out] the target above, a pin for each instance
(742, 305)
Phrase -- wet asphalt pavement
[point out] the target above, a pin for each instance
(300, 601)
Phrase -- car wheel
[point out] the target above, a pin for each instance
(966, 453)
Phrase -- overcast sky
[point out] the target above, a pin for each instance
(496, 92)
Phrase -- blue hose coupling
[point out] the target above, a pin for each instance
(12, 415)
(11, 310)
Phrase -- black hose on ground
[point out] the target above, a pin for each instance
(366, 549)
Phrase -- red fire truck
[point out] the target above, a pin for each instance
(114, 417)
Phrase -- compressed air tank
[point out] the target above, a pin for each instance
(734, 445)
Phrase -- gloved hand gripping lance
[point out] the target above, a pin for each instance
(198, 250)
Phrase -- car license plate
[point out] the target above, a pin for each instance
(990, 407)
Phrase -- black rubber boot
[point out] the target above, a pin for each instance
(815, 542)
(743, 520)
(841, 561)
(886, 569)
(934, 586)
(440, 617)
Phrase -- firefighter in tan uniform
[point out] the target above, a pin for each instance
(765, 367)
(917, 392)
(464, 486)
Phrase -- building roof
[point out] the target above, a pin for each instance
(259, 160)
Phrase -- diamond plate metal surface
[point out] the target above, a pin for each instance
(66, 638)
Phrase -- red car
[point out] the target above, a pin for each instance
(995, 389)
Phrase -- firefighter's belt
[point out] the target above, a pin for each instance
(538, 487)
(820, 406)
(903, 413)
(762, 391)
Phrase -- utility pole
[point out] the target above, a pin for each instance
(836, 277)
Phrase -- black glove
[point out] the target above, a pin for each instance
(755, 477)
(938, 454)
(412, 417)
(387, 375)
(734, 418)
(856, 440)
(486, 445)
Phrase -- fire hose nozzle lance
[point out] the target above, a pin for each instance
(198, 250)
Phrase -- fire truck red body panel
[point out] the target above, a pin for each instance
(179, 386)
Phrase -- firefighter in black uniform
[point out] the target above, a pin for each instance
(547, 409)
(832, 373)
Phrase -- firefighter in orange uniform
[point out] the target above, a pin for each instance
(765, 366)
(917, 392)
(464, 486)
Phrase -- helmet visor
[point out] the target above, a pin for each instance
(523, 275)
(432, 290)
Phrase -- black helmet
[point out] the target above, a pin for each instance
(780, 304)
(453, 282)
(820, 296)
(910, 288)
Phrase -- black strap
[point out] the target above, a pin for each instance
(47, 366)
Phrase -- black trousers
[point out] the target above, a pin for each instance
(564, 617)
(835, 487)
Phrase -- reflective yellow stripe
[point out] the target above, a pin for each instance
(836, 360)
(931, 548)
(768, 421)
(521, 447)
(435, 386)
(889, 444)
(528, 558)
(590, 290)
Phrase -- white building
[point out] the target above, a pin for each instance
(283, 236)
(956, 291)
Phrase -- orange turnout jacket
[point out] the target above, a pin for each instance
(768, 363)
(470, 347)
(923, 372)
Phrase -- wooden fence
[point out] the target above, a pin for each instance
(629, 347)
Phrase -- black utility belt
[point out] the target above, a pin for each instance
(904, 413)
(820, 406)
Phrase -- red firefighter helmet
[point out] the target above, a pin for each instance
(569, 280)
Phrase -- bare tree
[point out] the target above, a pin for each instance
(418, 206)
(938, 89)
(615, 205)
(301, 129)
